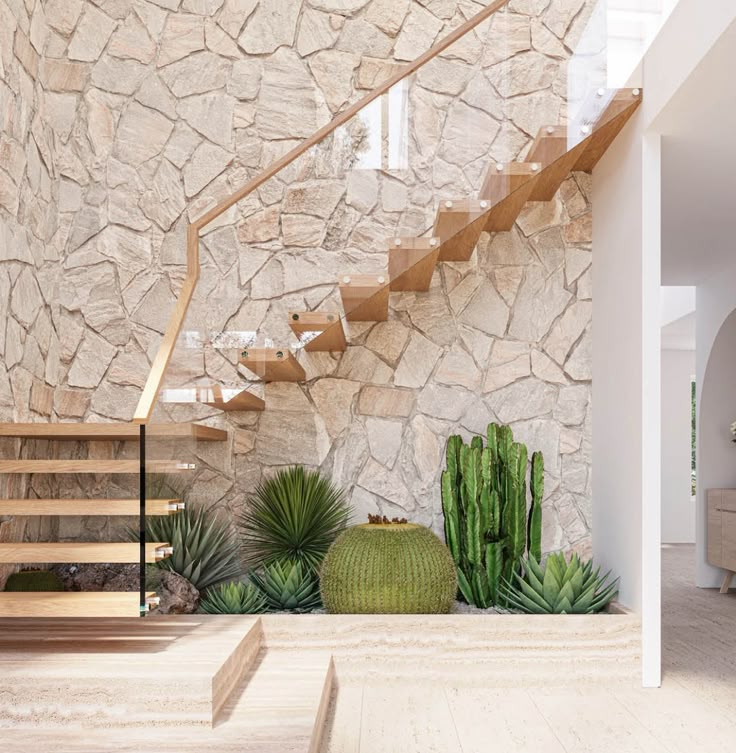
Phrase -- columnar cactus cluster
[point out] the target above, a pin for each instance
(484, 500)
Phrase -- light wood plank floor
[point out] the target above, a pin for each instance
(695, 710)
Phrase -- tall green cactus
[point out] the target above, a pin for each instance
(534, 531)
(484, 500)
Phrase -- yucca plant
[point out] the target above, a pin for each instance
(295, 515)
(233, 598)
(205, 548)
(560, 587)
(287, 586)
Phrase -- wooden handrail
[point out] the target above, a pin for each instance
(166, 349)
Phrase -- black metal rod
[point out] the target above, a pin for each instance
(142, 521)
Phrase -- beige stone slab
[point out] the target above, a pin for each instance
(509, 717)
(398, 719)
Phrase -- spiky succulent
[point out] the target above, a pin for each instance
(205, 549)
(560, 587)
(287, 586)
(294, 515)
(233, 598)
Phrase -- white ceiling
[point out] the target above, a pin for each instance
(699, 169)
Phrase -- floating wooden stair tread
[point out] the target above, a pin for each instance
(229, 399)
(411, 262)
(111, 432)
(62, 552)
(365, 297)
(508, 186)
(73, 603)
(273, 364)
(92, 466)
(458, 225)
(552, 149)
(318, 330)
(88, 507)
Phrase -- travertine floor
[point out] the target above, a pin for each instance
(695, 710)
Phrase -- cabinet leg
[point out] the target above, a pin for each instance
(727, 578)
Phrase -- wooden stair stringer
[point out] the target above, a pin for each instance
(608, 126)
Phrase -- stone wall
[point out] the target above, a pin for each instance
(30, 238)
(148, 112)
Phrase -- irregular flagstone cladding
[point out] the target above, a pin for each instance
(121, 121)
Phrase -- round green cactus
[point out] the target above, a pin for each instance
(394, 568)
(34, 580)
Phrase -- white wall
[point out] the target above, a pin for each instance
(678, 510)
(716, 392)
(626, 315)
(626, 349)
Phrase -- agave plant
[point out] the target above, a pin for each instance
(559, 587)
(288, 587)
(233, 598)
(295, 516)
(205, 549)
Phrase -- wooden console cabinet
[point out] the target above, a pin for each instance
(722, 532)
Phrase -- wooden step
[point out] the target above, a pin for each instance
(284, 697)
(92, 466)
(552, 149)
(621, 106)
(73, 603)
(508, 187)
(365, 297)
(229, 399)
(111, 432)
(62, 552)
(458, 225)
(273, 364)
(88, 507)
(320, 331)
(411, 262)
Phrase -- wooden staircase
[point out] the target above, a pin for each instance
(507, 187)
(86, 604)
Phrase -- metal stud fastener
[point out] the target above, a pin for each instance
(636, 92)
(448, 204)
(585, 130)
(600, 92)
(535, 167)
(295, 317)
(397, 242)
(381, 280)
(484, 204)
(433, 242)
(550, 130)
(499, 167)
(346, 280)
(279, 354)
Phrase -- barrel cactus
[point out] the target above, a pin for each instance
(388, 568)
(34, 580)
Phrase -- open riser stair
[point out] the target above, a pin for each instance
(33, 555)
